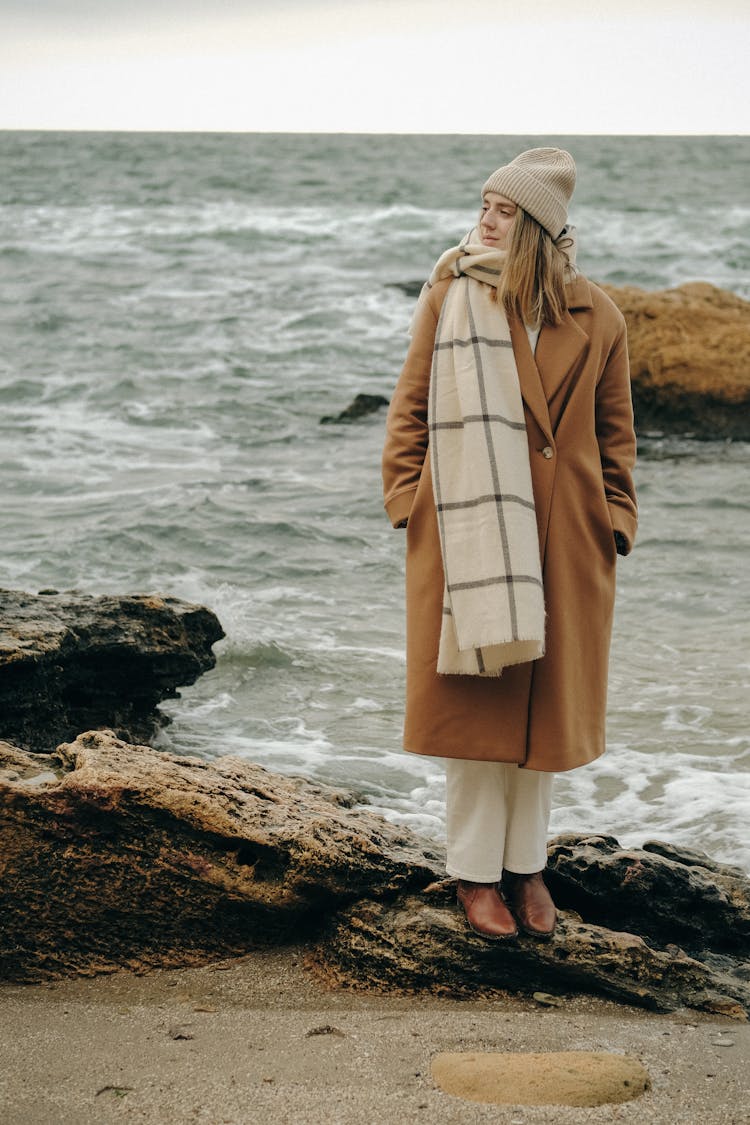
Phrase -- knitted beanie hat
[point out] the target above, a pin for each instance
(541, 181)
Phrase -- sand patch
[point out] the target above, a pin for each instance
(582, 1078)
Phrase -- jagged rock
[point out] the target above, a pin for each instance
(422, 943)
(657, 926)
(359, 408)
(134, 857)
(71, 662)
(666, 894)
(689, 358)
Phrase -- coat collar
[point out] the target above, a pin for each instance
(578, 293)
(558, 349)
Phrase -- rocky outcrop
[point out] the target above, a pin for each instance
(664, 893)
(420, 942)
(133, 857)
(117, 855)
(689, 357)
(71, 662)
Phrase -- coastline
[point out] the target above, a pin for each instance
(260, 1039)
(161, 444)
(262, 1036)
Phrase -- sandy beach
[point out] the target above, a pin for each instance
(260, 1039)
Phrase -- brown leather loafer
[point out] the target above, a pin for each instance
(531, 903)
(485, 910)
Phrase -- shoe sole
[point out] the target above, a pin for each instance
(540, 935)
(490, 937)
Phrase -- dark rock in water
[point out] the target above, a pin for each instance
(71, 662)
(362, 405)
(124, 856)
(114, 855)
(410, 288)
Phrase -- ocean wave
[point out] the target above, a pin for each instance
(174, 332)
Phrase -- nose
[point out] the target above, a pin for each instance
(489, 220)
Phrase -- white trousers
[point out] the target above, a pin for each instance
(497, 817)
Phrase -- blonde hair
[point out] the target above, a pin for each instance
(532, 284)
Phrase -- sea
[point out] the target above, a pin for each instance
(178, 311)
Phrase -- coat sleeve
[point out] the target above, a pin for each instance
(616, 438)
(406, 426)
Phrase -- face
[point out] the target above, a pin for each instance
(496, 219)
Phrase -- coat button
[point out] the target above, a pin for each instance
(547, 452)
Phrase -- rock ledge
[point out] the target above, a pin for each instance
(123, 856)
(70, 662)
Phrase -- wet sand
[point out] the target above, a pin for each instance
(261, 1040)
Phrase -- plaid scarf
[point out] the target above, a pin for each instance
(493, 605)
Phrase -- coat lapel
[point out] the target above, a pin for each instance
(557, 352)
(559, 347)
(529, 378)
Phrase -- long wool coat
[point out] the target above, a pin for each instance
(548, 714)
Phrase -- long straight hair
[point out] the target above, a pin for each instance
(532, 283)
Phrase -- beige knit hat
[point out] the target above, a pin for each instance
(541, 181)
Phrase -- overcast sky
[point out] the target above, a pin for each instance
(444, 66)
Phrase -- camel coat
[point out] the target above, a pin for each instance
(548, 714)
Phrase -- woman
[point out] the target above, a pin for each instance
(508, 459)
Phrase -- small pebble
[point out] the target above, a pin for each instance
(547, 1000)
(326, 1029)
